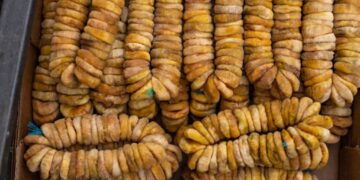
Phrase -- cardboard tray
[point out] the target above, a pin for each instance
(19, 32)
(15, 18)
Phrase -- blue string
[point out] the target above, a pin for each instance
(33, 129)
(284, 144)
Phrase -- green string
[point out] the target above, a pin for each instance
(150, 92)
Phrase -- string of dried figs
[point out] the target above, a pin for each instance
(44, 96)
(347, 31)
(96, 40)
(345, 78)
(199, 55)
(169, 86)
(166, 52)
(137, 72)
(174, 113)
(120, 163)
(229, 42)
(259, 61)
(262, 118)
(110, 96)
(70, 19)
(94, 130)
(239, 99)
(252, 173)
(319, 46)
(85, 147)
(287, 45)
(342, 119)
(300, 147)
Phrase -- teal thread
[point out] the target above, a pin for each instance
(150, 92)
(33, 129)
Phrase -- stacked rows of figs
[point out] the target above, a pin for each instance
(247, 89)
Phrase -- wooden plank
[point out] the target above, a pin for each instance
(349, 164)
(330, 172)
